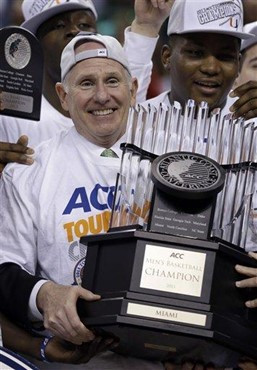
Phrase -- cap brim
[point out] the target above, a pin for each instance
(33, 23)
(239, 35)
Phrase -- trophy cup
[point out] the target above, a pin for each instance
(21, 73)
(183, 214)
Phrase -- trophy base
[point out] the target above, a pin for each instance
(222, 342)
(157, 321)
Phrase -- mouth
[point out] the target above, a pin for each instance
(208, 86)
(102, 112)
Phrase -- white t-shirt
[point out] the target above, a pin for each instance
(65, 194)
(139, 50)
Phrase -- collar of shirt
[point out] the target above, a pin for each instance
(97, 150)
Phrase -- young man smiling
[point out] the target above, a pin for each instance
(203, 54)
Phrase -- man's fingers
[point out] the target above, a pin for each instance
(7, 157)
(246, 105)
(161, 4)
(23, 140)
(19, 152)
(70, 318)
(87, 295)
(68, 326)
(17, 148)
(247, 283)
(243, 89)
(248, 271)
(251, 304)
(245, 108)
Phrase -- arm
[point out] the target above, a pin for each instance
(57, 350)
(141, 39)
(15, 289)
(251, 281)
(18, 244)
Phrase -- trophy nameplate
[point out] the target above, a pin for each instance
(21, 73)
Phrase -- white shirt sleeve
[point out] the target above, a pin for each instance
(139, 50)
(34, 314)
(18, 224)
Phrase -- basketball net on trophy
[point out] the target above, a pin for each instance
(232, 143)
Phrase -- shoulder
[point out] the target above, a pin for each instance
(44, 152)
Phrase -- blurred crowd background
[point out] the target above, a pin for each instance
(114, 17)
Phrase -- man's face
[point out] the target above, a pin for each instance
(202, 66)
(249, 66)
(57, 32)
(98, 96)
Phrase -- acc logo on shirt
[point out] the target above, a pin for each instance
(100, 198)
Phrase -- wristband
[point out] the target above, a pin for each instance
(43, 348)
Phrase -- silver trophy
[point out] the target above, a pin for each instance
(184, 212)
(232, 143)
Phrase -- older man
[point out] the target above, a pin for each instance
(55, 23)
(68, 193)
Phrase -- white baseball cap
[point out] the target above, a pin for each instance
(250, 28)
(36, 12)
(111, 49)
(216, 16)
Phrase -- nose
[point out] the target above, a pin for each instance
(210, 66)
(101, 95)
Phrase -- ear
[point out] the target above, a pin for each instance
(62, 94)
(133, 91)
(166, 56)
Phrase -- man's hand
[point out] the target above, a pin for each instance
(58, 305)
(251, 272)
(19, 152)
(58, 350)
(150, 15)
(246, 105)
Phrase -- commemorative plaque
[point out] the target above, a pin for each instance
(166, 268)
(21, 73)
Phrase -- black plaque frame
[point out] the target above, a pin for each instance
(22, 84)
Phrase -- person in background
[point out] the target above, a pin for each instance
(248, 66)
(203, 59)
(55, 24)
